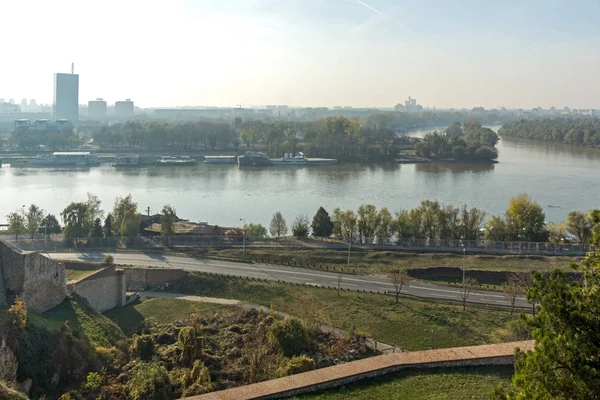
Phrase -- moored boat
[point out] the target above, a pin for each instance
(66, 159)
(253, 159)
(291, 160)
(176, 161)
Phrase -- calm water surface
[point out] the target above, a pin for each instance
(559, 177)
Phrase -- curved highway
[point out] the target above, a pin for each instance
(296, 275)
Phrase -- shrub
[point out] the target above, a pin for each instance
(17, 313)
(297, 365)
(290, 336)
(93, 382)
(143, 347)
(520, 329)
(191, 345)
(108, 261)
(150, 381)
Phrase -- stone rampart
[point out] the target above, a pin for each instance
(38, 279)
(142, 278)
(103, 290)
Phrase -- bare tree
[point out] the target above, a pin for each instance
(512, 288)
(278, 226)
(339, 283)
(466, 288)
(399, 279)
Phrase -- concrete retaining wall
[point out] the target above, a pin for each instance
(103, 290)
(142, 278)
(339, 375)
(39, 280)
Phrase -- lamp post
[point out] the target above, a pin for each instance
(244, 236)
(464, 256)
(349, 244)
(45, 232)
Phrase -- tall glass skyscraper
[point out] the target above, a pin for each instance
(66, 96)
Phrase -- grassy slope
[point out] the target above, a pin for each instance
(381, 261)
(438, 383)
(407, 325)
(161, 310)
(99, 330)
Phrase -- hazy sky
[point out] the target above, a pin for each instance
(446, 53)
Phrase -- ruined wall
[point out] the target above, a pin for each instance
(40, 280)
(142, 278)
(103, 290)
(45, 283)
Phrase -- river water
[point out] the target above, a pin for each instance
(559, 177)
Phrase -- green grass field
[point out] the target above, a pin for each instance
(407, 325)
(437, 383)
(162, 310)
(374, 262)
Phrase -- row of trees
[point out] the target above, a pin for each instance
(579, 131)
(30, 139)
(467, 142)
(524, 220)
(86, 219)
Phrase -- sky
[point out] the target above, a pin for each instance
(362, 53)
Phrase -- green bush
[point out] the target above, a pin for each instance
(143, 347)
(191, 345)
(150, 381)
(290, 336)
(297, 365)
(93, 382)
(521, 328)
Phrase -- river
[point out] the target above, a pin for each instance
(559, 177)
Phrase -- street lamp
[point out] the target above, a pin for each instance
(244, 237)
(464, 256)
(349, 244)
(45, 231)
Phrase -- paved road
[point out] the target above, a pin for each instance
(292, 274)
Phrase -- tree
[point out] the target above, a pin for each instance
(255, 232)
(467, 287)
(512, 288)
(97, 229)
(564, 363)
(344, 224)
(321, 224)
(121, 206)
(385, 230)
(278, 226)
(51, 225)
(471, 221)
(167, 221)
(75, 217)
(399, 279)
(556, 232)
(94, 210)
(108, 226)
(579, 225)
(130, 225)
(430, 211)
(301, 226)
(108, 261)
(495, 229)
(368, 223)
(33, 219)
(16, 224)
(525, 219)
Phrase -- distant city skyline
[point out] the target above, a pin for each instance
(374, 53)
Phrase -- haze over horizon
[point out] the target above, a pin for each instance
(372, 53)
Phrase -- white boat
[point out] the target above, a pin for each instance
(291, 159)
(69, 158)
(176, 161)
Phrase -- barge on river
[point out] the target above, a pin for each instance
(66, 159)
(176, 161)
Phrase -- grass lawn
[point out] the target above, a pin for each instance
(437, 383)
(407, 325)
(376, 262)
(162, 310)
(99, 330)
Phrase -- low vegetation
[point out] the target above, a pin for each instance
(380, 262)
(437, 383)
(407, 325)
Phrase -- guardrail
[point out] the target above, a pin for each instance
(59, 243)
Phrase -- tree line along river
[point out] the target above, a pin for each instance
(559, 177)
